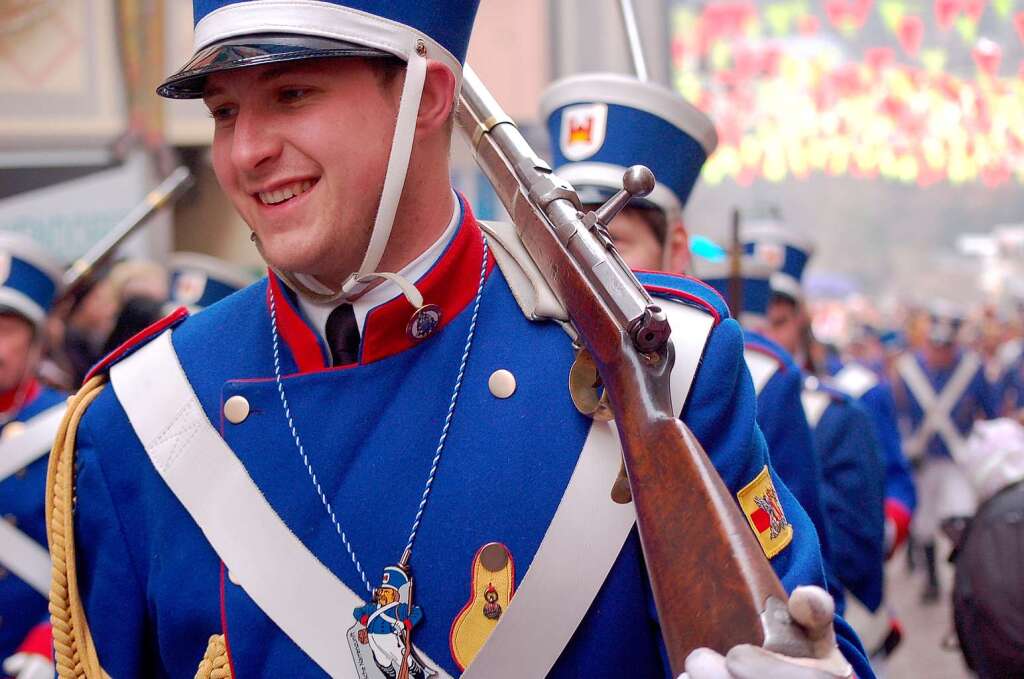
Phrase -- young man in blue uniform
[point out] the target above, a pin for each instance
(29, 415)
(599, 123)
(940, 392)
(253, 475)
(650, 234)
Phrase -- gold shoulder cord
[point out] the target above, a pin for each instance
(74, 650)
(215, 663)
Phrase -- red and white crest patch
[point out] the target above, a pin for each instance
(583, 130)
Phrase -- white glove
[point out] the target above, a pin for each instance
(29, 666)
(812, 608)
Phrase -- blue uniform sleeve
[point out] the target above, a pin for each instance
(899, 481)
(721, 412)
(853, 495)
(111, 589)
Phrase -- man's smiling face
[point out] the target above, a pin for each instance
(301, 149)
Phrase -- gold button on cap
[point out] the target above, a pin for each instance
(236, 409)
(232, 578)
(502, 383)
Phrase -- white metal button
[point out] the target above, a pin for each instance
(236, 409)
(502, 383)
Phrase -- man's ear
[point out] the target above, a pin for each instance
(677, 248)
(437, 101)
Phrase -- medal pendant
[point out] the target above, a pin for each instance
(381, 638)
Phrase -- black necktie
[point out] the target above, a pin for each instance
(343, 335)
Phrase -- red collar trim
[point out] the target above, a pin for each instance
(302, 341)
(451, 284)
(19, 397)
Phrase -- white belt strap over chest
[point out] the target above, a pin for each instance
(815, 404)
(937, 409)
(856, 380)
(20, 554)
(761, 368)
(299, 593)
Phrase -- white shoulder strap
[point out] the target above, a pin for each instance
(524, 278)
(17, 451)
(20, 554)
(815, 404)
(761, 368)
(856, 380)
(268, 561)
(25, 557)
(588, 531)
(303, 598)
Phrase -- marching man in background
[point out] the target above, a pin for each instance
(29, 415)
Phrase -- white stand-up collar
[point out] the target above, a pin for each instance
(317, 312)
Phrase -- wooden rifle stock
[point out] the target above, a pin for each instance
(712, 584)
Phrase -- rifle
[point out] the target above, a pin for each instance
(626, 336)
(735, 267)
(168, 191)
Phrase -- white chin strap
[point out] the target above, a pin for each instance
(394, 179)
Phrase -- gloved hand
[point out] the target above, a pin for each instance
(813, 609)
(29, 666)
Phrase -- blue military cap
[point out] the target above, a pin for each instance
(756, 278)
(600, 124)
(231, 34)
(783, 249)
(197, 280)
(30, 278)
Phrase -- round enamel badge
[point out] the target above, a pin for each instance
(424, 322)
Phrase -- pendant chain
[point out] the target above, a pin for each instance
(435, 463)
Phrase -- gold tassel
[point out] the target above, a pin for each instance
(74, 651)
(215, 663)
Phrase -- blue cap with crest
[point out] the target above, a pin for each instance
(783, 249)
(30, 278)
(600, 124)
(755, 279)
(198, 280)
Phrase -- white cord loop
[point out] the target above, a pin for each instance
(410, 291)
(394, 178)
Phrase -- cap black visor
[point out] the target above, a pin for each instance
(254, 50)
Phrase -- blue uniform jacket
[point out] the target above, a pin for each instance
(780, 416)
(154, 590)
(22, 503)
(876, 396)
(853, 494)
(976, 402)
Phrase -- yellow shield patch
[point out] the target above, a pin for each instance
(763, 509)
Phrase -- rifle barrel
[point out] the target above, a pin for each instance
(168, 191)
